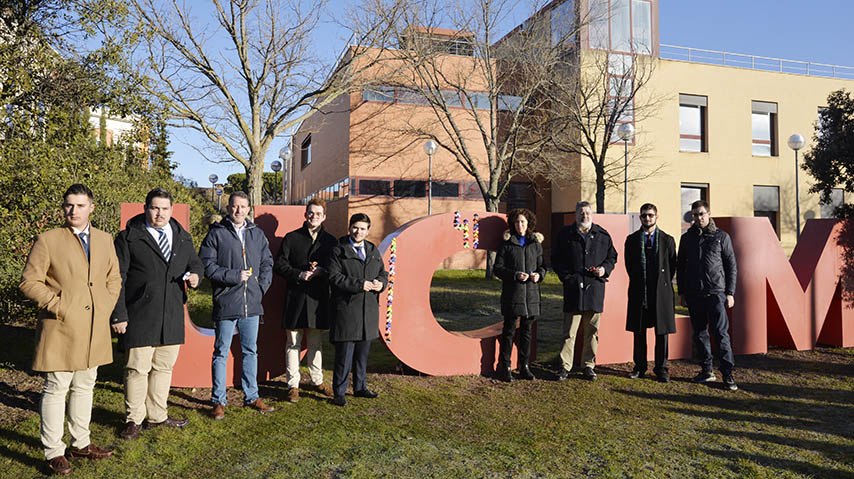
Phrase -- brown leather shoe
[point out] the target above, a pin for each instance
(170, 422)
(325, 389)
(90, 452)
(293, 395)
(59, 466)
(218, 412)
(259, 405)
(131, 431)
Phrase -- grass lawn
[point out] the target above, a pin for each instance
(791, 418)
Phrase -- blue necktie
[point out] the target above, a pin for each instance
(360, 250)
(82, 235)
(163, 242)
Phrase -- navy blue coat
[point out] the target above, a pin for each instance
(153, 291)
(223, 256)
(355, 312)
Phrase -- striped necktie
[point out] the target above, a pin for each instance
(163, 242)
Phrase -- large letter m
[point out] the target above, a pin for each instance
(789, 303)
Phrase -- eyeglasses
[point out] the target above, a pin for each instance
(698, 215)
(648, 215)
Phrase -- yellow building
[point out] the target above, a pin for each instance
(716, 128)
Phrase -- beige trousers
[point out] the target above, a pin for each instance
(591, 338)
(313, 356)
(52, 409)
(148, 376)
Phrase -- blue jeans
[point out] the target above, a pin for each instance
(708, 315)
(247, 329)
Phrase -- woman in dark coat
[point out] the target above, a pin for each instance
(519, 265)
(357, 276)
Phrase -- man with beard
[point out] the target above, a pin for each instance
(706, 279)
(650, 256)
(583, 257)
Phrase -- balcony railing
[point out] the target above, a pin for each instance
(753, 62)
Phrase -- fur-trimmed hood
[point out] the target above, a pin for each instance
(537, 236)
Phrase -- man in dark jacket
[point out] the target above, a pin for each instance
(583, 257)
(238, 262)
(307, 295)
(706, 279)
(357, 276)
(156, 257)
(650, 256)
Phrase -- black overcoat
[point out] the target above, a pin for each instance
(520, 298)
(153, 291)
(355, 312)
(306, 302)
(572, 258)
(665, 322)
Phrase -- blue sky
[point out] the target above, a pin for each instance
(819, 31)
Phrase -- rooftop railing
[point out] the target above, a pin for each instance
(753, 62)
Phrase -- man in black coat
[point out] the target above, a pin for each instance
(299, 261)
(706, 278)
(650, 257)
(156, 257)
(237, 260)
(583, 257)
(357, 275)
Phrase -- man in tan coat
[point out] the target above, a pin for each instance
(73, 274)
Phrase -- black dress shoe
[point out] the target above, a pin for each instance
(562, 375)
(637, 374)
(339, 401)
(663, 378)
(169, 422)
(525, 372)
(366, 393)
(505, 375)
(589, 374)
(131, 431)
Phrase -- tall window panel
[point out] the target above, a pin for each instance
(766, 203)
(642, 27)
(621, 32)
(692, 123)
(764, 124)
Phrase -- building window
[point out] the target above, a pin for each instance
(412, 97)
(620, 90)
(642, 27)
(410, 188)
(766, 203)
(764, 119)
(445, 189)
(563, 23)
(621, 32)
(380, 93)
(692, 123)
(305, 152)
(691, 192)
(509, 102)
(472, 192)
(374, 188)
(520, 195)
(837, 198)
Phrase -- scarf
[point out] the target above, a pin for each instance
(643, 259)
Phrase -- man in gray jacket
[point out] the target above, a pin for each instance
(706, 275)
(237, 260)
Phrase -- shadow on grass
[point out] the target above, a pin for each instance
(831, 451)
(13, 397)
(12, 437)
(747, 461)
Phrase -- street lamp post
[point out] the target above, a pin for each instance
(219, 199)
(213, 179)
(285, 154)
(796, 142)
(626, 132)
(276, 166)
(430, 148)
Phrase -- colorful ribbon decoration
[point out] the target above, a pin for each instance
(392, 259)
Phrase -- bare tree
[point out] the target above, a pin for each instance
(247, 77)
(589, 102)
(482, 86)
